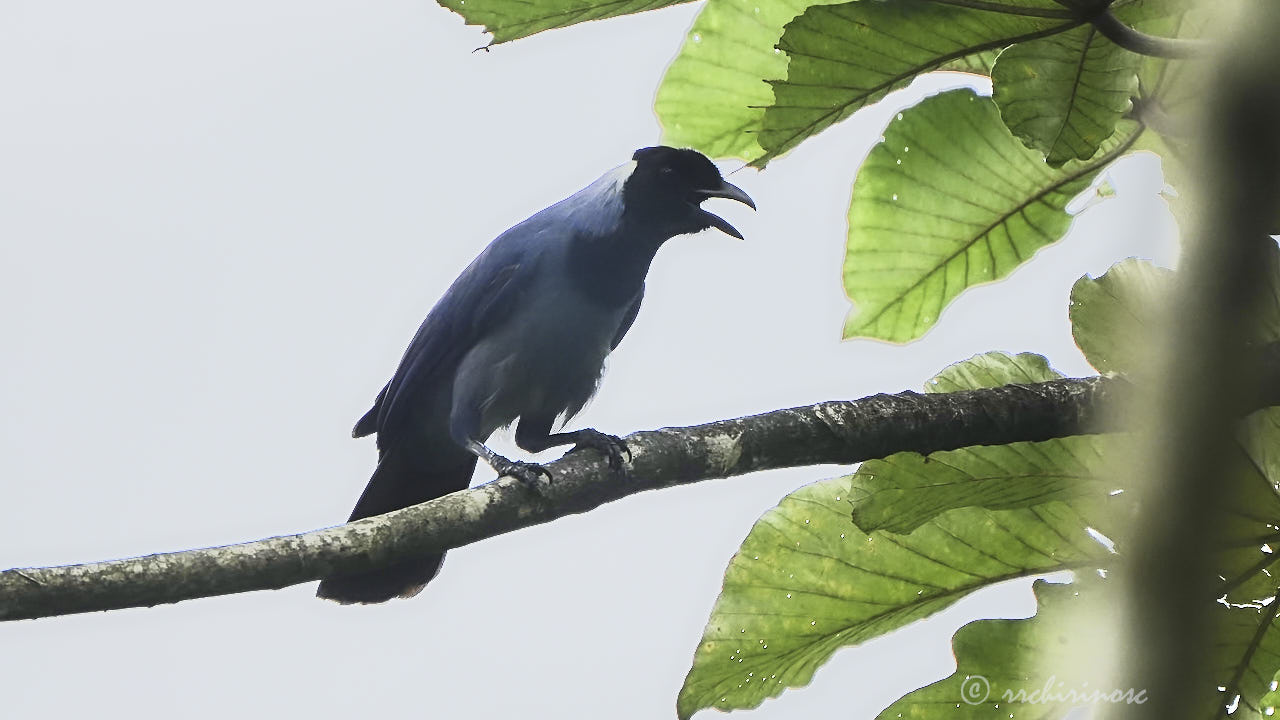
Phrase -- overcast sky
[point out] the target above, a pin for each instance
(220, 224)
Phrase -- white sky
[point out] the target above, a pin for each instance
(220, 223)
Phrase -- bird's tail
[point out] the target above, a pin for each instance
(398, 482)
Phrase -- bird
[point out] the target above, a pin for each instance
(521, 337)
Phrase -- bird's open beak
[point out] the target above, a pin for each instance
(728, 191)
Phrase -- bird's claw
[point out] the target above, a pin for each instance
(611, 446)
(529, 474)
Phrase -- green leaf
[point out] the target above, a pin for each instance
(904, 490)
(1172, 93)
(1114, 317)
(992, 369)
(1250, 510)
(1114, 320)
(845, 57)
(1260, 438)
(1051, 654)
(1165, 18)
(1247, 653)
(1271, 701)
(1064, 94)
(1177, 19)
(950, 199)
(713, 96)
(978, 64)
(1247, 638)
(806, 582)
(1244, 532)
(1022, 668)
(514, 19)
(1267, 323)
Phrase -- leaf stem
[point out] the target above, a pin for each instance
(1142, 43)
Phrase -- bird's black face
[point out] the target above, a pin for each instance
(669, 185)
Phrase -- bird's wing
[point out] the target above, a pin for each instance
(485, 292)
(627, 320)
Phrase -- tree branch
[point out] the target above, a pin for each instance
(840, 432)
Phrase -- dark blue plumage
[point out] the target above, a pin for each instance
(523, 334)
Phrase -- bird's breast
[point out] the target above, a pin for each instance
(546, 357)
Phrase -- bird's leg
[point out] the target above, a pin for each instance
(530, 474)
(464, 429)
(535, 436)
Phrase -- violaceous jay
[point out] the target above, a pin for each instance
(522, 334)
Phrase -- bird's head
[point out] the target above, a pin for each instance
(667, 186)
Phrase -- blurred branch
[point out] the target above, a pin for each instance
(841, 432)
(1166, 634)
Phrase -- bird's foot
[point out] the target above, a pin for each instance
(529, 474)
(611, 446)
